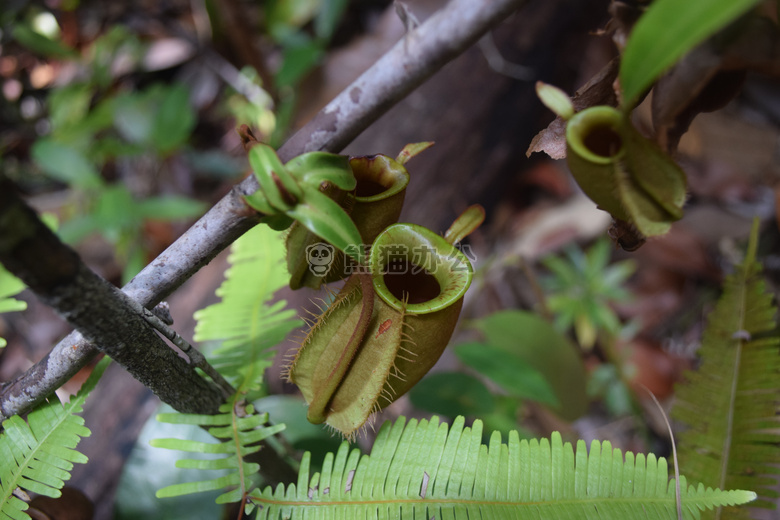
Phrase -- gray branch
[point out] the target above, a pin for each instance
(100, 311)
(422, 52)
(197, 359)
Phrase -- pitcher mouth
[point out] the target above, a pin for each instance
(378, 177)
(413, 285)
(417, 271)
(603, 140)
(369, 188)
(595, 134)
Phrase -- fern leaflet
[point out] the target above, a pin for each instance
(10, 286)
(38, 455)
(247, 326)
(729, 403)
(240, 430)
(427, 470)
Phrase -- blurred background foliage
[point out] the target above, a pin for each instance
(114, 118)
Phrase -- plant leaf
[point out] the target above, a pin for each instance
(170, 207)
(269, 170)
(298, 58)
(174, 119)
(245, 321)
(134, 115)
(41, 44)
(325, 218)
(116, 212)
(10, 286)
(327, 20)
(555, 99)
(512, 373)
(239, 435)
(38, 454)
(534, 342)
(66, 164)
(427, 470)
(148, 469)
(314, 168)
(730, 403)
(668, 30)
(452, 394)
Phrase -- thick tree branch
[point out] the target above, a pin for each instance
(409, 63)
(101, 312)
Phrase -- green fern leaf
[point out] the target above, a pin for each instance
(10, 286)
(38, 455)
(427, 470)
(241, 430)
(729, 403)
(243, 321)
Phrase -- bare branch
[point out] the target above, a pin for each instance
(422, 52)
(103, 314)
(197, 359)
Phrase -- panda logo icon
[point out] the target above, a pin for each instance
(320, 258)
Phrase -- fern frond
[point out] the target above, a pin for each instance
(10, 286)
(38, 455)
(729, 404)
(240, 432)
(243, 321)
(427, 470)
